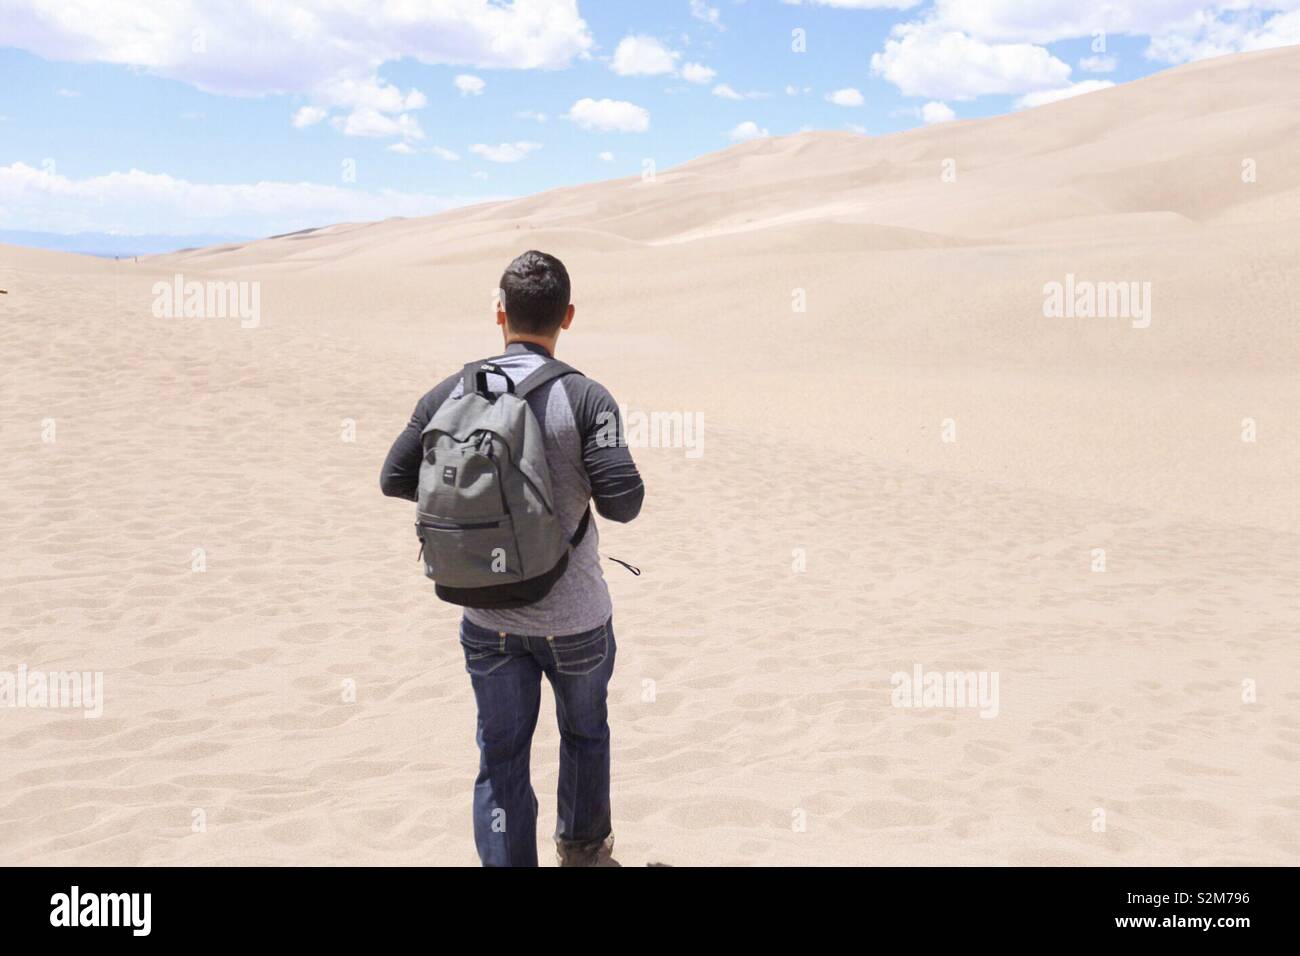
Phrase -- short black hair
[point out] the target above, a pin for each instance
(535, 293)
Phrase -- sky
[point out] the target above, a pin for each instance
(245, 118)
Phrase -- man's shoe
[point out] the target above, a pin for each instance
(598, 853)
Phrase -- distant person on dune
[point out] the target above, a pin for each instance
(518, 549)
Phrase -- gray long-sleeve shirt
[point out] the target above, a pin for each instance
(578, 416)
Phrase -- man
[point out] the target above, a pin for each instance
(568, 635)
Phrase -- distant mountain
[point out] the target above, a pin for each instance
(107, 245)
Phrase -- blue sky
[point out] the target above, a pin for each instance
(227, 117)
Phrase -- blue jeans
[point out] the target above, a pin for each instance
(506, 671)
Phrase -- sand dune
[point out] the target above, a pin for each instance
(766, 732)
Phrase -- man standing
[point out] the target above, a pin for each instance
(568, 635)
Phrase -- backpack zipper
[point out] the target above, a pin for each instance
(439, 525)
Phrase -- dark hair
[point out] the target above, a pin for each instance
(535, 293)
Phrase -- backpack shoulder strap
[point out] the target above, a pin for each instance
(582, 528)
(548, 372)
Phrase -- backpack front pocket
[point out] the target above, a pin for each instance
(470, 553)
(461, 480)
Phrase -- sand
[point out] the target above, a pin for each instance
(826, 537)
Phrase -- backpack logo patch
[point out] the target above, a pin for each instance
(449, 475)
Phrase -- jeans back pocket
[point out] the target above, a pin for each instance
(579, 654)
(484, 651)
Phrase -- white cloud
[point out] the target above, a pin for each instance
(726, 92)
(697, 73)
(962, 49)
(504, 152)
(369, 94)
(1041, 22)
(710, 15)
(1098, 64)
(1213, 35)
(1180, 30)
(846, 97)
(792, 90)
(609, 115)
(638, 55)
(406, 149)
(605, 157)
(68, 94)
(533, 115)
(374, 124)
(1043, 97)
(937, 112)
(1046, 21)
(745, 131)
(257, 48)
(308, 116)
(138, 202)
(924, 60)
(330, 53)
(468, 84)
(858, 4)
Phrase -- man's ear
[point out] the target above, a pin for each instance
(501, 318)
(568, 317)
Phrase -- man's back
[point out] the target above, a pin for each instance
(580, 423)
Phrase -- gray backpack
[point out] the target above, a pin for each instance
(486, 518)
